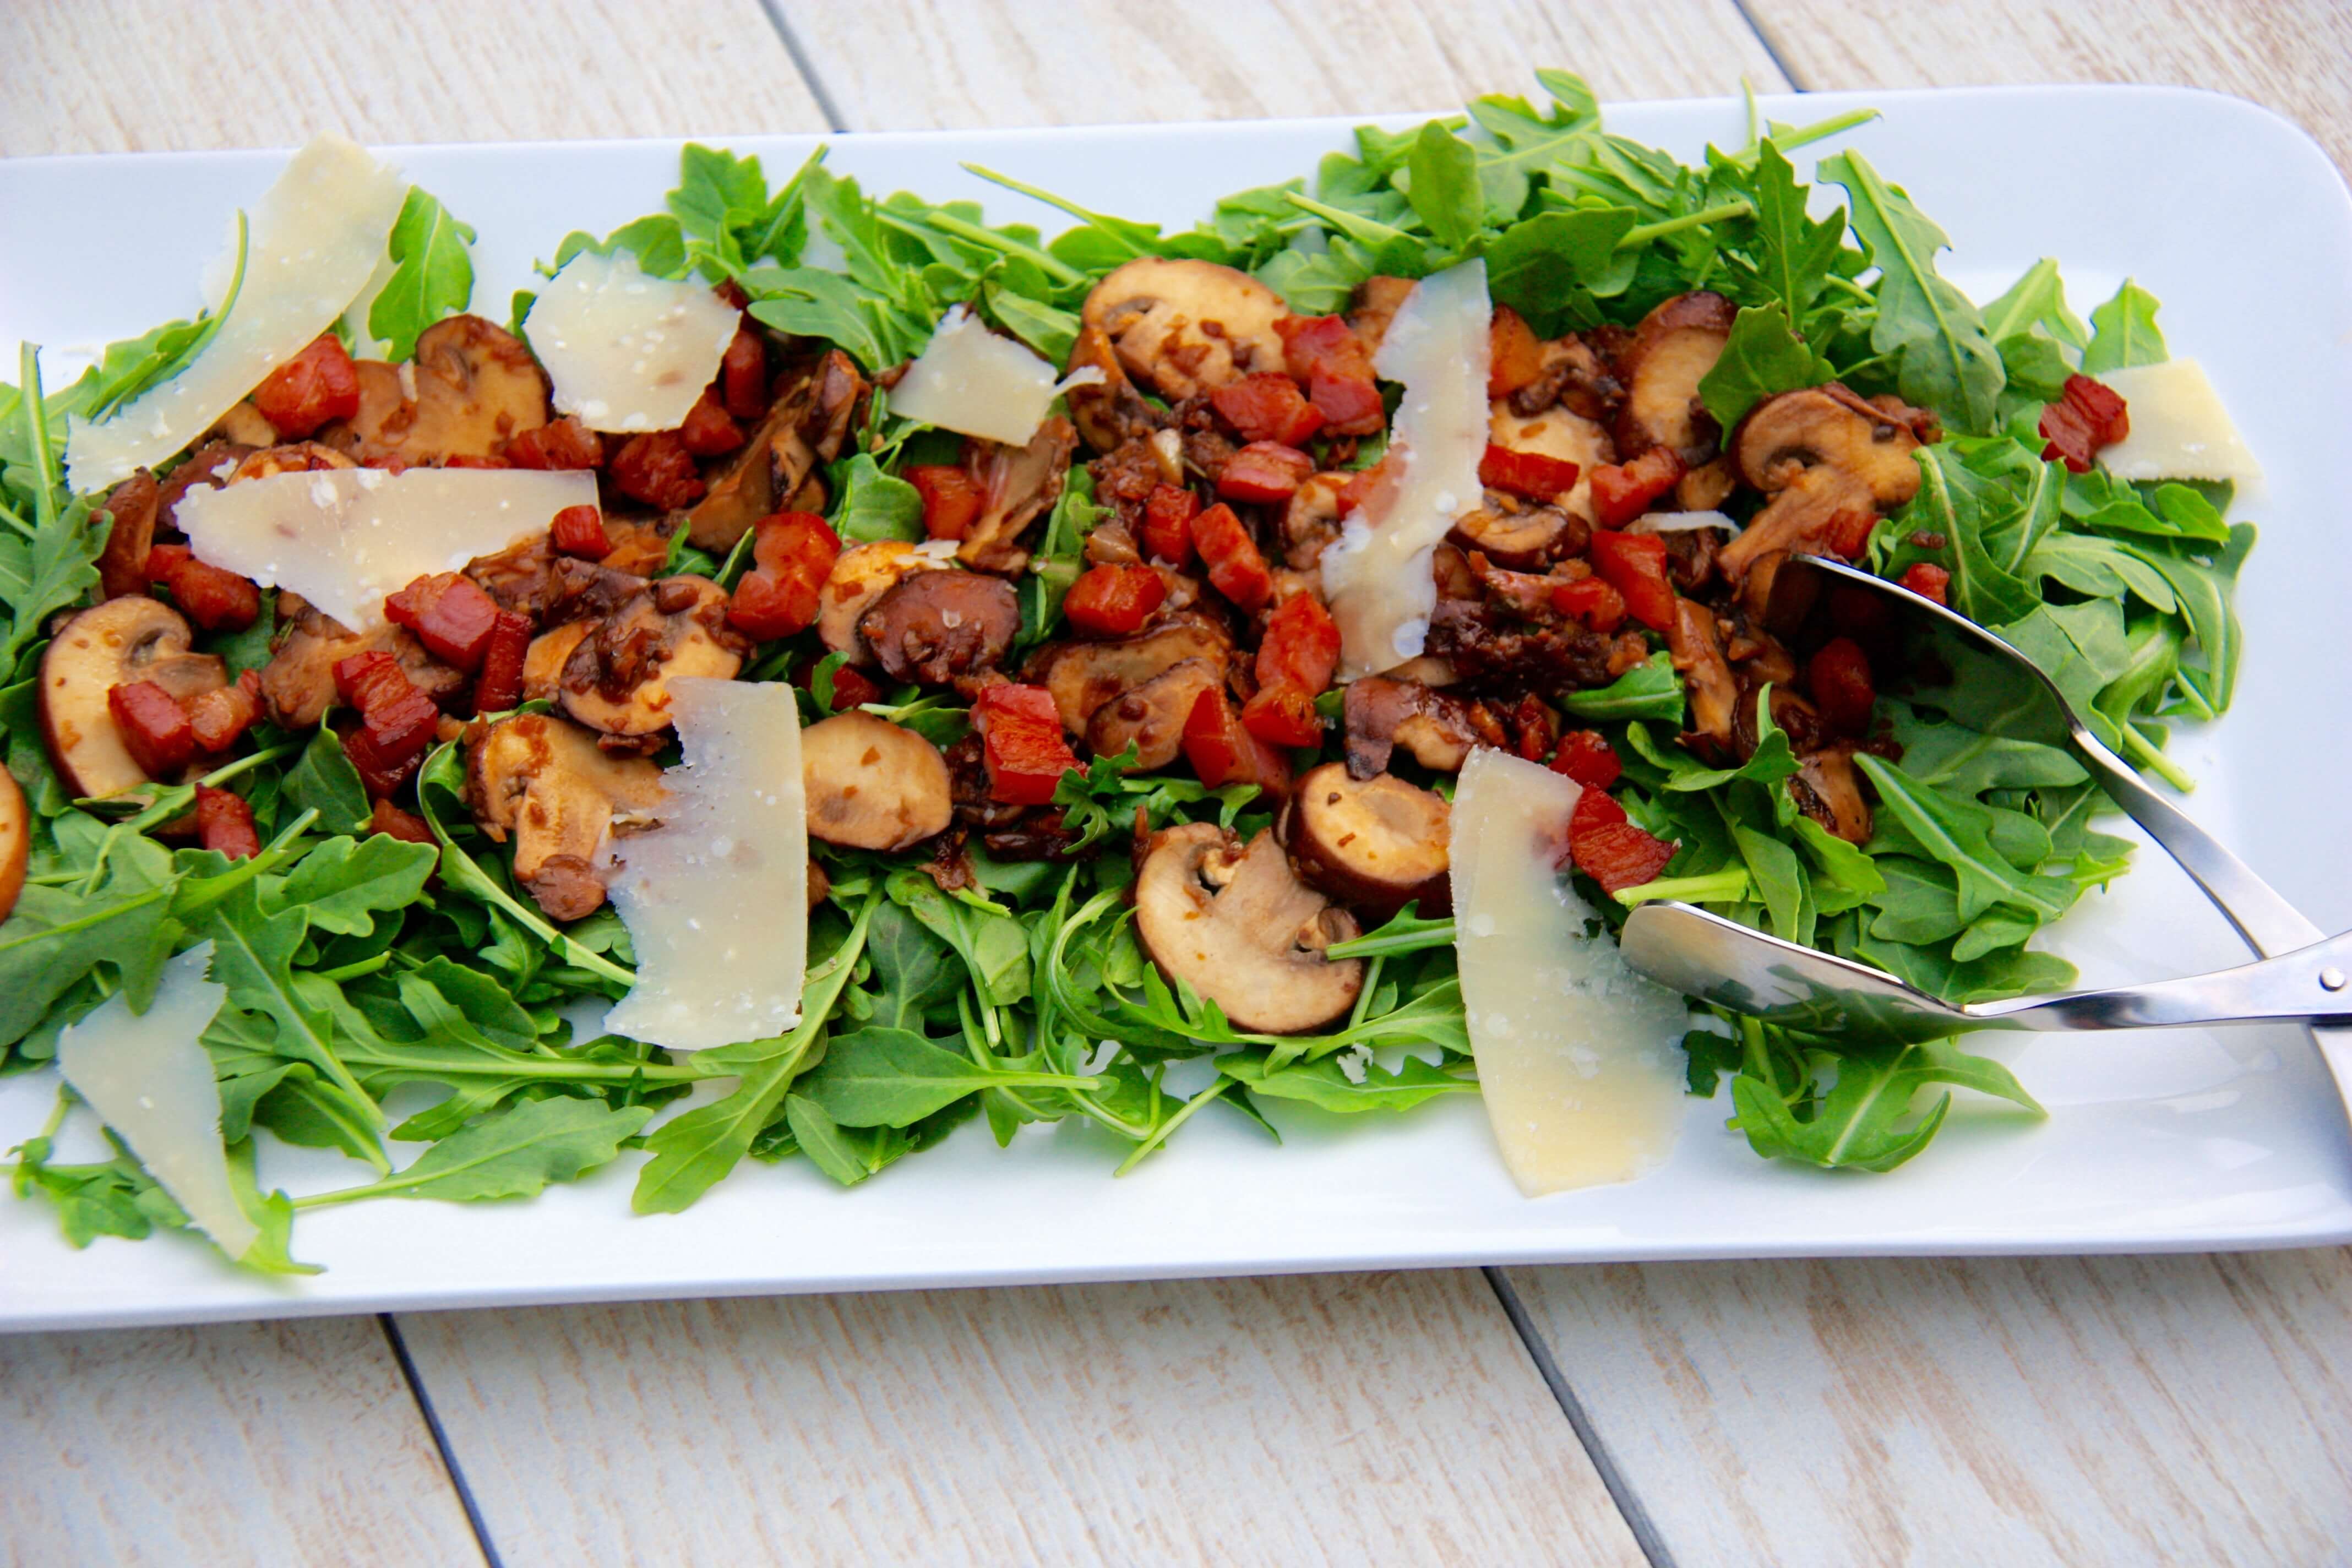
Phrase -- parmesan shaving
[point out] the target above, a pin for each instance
(1578, 1057)
(2180, 429)
(974, 382)
(1376, 574)
(148, 1077)
(344, 538)
(626, 352)
(314, 240)
(716, 898)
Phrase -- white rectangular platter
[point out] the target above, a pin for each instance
(2182, 1140)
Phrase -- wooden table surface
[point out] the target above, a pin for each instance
(2076, 1411)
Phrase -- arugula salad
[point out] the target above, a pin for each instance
(1133, 601)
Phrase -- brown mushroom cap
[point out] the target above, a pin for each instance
(1519, 537)
(1083, 676)
(873, 784)
(1310, 521)
(298, 684)
(1187, 326)
(1374, 844)
(543, 661)
(803, 430)
(544, 782)
(107, 646)
(617, 679)
(1380, 714)
(16, 841)
(932, 626)
(1827, 427)
(470, 387)
(132, 504)
(1240, 928)
(1676, 345)
(863, 574)
(1150, 717)
(1558, 433)
(1017, 484)
(1110, 412)
(1829, 790)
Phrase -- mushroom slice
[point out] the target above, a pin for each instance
(244, 424)
(1083, 676)
(1018, 484)
(16, 841)
(1186, 327)
(1381, 714)
(863, 574)
(1374, 844)
(932, 626)
(294, 458)
(1108, 413)
(1519, 537)
(1150, 717)
(543, 661)
(804, 428)
(470, 388)
(1676, 345)
(544, 782)
(1824, 455)
(107, 646)
(298, 684)
(1377, 301)
(1240, 928)
(1829, 790)
(1311, 520)
(1556, 433)
(873, 784)
(617, 679)
(122, 565)
(1698, 657)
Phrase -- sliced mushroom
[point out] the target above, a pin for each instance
(246, 424)
(209, 467)
(1150, 717)
(1828, 789)
(1706, 487)
(1676, 345)
(1574, 376)
(294, 458)
(1556, 433)
(1083, 676)
(543, 661)
(805, 428)
(873, 784)
(1186, 327)
(1374, 844)
(544, 782)
(1825, 456)
(298, 684)
(1698, 655)
(935, 625)
(1380, 714)
(107, 646)
(16, 841)
(122, 565)
(1377, 301)
(470, 388)
(819, 884)
(1240, 928)
(617, 679)
(1512, 534)
(863, 574)
(1108, 413)
(1312, 519)
(1017, 485)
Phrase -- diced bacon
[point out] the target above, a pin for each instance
(1533, 727)
(2088, 416)
(451, 614)
(1167, 517)
(658, 470)
(710, 430)
(951, 499)
(472, 460)
(1611, 851)
(743, 375)
(1265, 471)
(499, 685)
(1112, 601)
(1236, 567)
(1635, 566)
(1221, 751)
(1588, 759)
(1592, 601)
(565, 443)
(224, 824)
(851, 689)
(154, 726)
(580, 530)
(793, 553)
(394, 823)
(306, 392)
(1838, 675)
(1528, 474)
(1325, 356)
(1021, 743)
(1283, 715)
(382, 772)
(217, 600)
(1929, 581)
(1267, 407)
(218, 717)
(1301, 647)
(395, 716)
(1623, 491)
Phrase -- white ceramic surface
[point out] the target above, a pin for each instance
(2184, 1139)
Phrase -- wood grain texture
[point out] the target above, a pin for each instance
(924, 64)
(1348, 1419)
(289, 1442)
(2076, 1411)
(122, 76)
(2291, 56)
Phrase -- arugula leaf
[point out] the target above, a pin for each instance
(1328, 1085)
(1649, 691)
(323, 779)
(1794, 253)
(510, 1153)
(1445, 189)
(1858, 1123)
(432, 277)
(894, 1077)
(1762, 357)
(658, 242)
(876, 505)
(1544, 267)
(2123, 332)
(343, 884)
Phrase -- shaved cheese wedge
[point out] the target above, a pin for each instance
(716, 898)
(344, 538)
(623, 351)
(149, 1078)
(1377, 574)
(1578, 1057)
(974, 382)
(2179, 430)
(311, 243)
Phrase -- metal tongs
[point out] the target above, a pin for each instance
(2300, 978)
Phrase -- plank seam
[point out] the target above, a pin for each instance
(1620, 1490)
(1788, 71)
(440, 1441)
(805, 63)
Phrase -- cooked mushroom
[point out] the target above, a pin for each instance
(1110, 412)
(1556, 433)
(1516, 535)
(1825, 456)
(1829, 790)
(1150, 717)
(1083, 676)
(294, 458)
(1676, 345)
(873, 784)
(819, 884)
(1706, 487)
(1017, 484)
(1572, 374)
(16, 841)
(1186, 327)
(1375, 844)
(122, 565)
(209, 465)
(617, 679)
(1311, 520)
(1381, 714)
(298, 684)
(863, 574)
(804, 429)
(544, 781)
(111, 645)
(932, 626)
(1377, 301)
(244, 424)
(1698, 651)
(470, 386)
(1240, 928)
(543, 661)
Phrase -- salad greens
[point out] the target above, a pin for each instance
(382, 992)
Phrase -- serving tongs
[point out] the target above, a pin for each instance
(2300, 978)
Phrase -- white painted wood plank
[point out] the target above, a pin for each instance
(1346, 1419)
(2074, 1411)
(923, 64)
(287, 1442)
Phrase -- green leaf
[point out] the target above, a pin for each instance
(1649, 691)
(1859, 1123)
(1545, 266)
(847, 1156)
(657, 242)
(1444, 190)
(253, 955)
(511, 1153)
(1327, 1084)
(1762, 357)
(323, 779)
(344, 884)
(1795, 252)
(1958, 834)
(876, 505)
(2034, 366)
(2123, 333)
(2038, 298)
(432, 277)
(894, 1077)
(1946, 362)
(55, 937)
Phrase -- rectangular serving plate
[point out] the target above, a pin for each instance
(2181, 1140)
